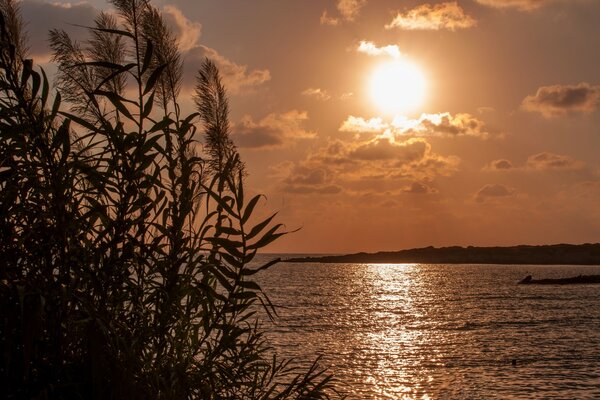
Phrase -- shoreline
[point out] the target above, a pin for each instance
(557, 254)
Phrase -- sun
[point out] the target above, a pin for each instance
(397, 87)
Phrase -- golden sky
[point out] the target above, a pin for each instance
(382, 125)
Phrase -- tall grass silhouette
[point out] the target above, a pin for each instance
(124, 227)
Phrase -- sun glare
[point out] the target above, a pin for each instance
(397, 87)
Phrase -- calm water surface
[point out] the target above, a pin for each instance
(404, 331)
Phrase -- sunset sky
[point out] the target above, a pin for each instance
(382, 125)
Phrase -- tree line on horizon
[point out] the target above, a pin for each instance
(125, 233)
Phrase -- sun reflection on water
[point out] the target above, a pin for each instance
(391, 287)
(420, 331)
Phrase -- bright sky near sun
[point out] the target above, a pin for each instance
(386, 124)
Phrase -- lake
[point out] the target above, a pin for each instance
(425, 331)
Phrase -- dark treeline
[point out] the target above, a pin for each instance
(125, 233)
(584, 254)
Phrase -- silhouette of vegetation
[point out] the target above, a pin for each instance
(125, 243)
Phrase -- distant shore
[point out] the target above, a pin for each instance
(567, 254)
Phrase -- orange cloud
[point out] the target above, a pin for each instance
(361, 125)
(560, 100)
(327, 20)
(549, 161)
(348, 10)
(317, 93)
(525, 5)
(371, 49)
(427, 125)
(447, 15)
(492, 191)
(274, 130)
(236, 77)
(187, 31)
(499, 165)
(367, 165)
(419, 188)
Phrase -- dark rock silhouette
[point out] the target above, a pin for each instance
(580, 279)
(570, 254)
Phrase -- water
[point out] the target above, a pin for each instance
(424, 331)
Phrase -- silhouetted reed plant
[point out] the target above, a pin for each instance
(125, 242)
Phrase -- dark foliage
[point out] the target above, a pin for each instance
(124, 244)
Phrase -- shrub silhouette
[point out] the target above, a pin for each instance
(125, 244)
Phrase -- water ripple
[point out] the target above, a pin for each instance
(418, 331)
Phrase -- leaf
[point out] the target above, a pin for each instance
(251, 285)
(108, 30)
(117, 101)
(228, 230)
(122, 69)
(147, 56)
(103, 64)
(55, 106)
(75, 118)
(159, 126)
(268, 237)
(35, 85)
(45, 88)
(26, 73)
(248, 271)
(148, 106)
(154, 77)
(259, 227)
(63, 134)
(150, 143)
(249, 208)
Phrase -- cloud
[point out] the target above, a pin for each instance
(371, 49)
(274, 130)
(442, 125)
(560, 100)
(419, 188)
(499, 165)
(236, 77)
(346, 96)
(385, 149)
(306, 178)
(186, 31)
(485, 110)
(40, 17)
(523, 5)
(348, 10)
(303, 189)
(317, 93)
(493, 191)
(548, 161)
(427, 125)
(447, 15)
(361, 125)
(363, 166)
(327, 20)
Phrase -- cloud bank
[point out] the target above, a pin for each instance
(427, 125)
(363, 166)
